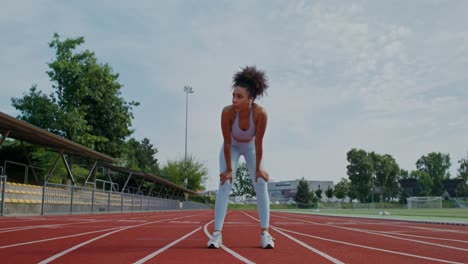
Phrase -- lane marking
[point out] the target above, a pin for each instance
(399, 223)
(132, 221)
(368, 247)
(316, 251)
(184, 222)
(426, 237)
(56, 238)
(288, 223)
(159, 251)
(233, 253)
(436, 229)
(60, 254)
(323, 254)
(379, 234)
(85, 223)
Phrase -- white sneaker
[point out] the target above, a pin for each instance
(267, 240)
(216, 240)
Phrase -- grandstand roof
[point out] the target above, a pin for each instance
(21, 130)
(411, 185)
(451, 186)
(151, 178)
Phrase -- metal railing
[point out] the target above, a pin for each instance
(112, 185)
(2, 190)
(68, 199)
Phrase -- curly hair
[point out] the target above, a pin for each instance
(253, 80)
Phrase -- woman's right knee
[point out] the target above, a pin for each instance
(225, 188)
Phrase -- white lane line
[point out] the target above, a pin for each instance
(367, 247)
(434, 229)
(13, 229)
(379, 234)
(289, 223)
(21, 228)
(159, 251)
(184, 222)
(403, 224)
(330, 258)
(58, 255)
(132, 221)
(83, 221)
(56, 238)
(233, 253)
(426, 237)
(323, 254)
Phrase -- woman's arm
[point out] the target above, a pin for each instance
(261, 124)
(226, 129)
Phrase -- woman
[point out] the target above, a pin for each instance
(243, 125)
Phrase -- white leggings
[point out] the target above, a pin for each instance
(261, 186)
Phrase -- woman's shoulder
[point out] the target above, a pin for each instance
(259, 114)
(259, 110)
(228, 109)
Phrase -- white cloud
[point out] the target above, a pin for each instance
(342, 74)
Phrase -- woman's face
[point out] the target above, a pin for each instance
(241, 99)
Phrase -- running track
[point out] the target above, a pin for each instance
(181, 236)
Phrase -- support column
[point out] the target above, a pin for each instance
(68, 170)
(29, 163)
(126, 182)
(4, 137)
(139, 186)
(90, 173)
(45, 181)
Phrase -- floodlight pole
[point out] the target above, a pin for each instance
(187, 90)
(372, 191)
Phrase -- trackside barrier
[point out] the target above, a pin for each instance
(193, 205)
(67, 199)
(3, 179)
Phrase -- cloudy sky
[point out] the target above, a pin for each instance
(384, 76)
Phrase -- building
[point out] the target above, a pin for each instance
(285, 191)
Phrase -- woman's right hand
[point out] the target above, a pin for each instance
(225, 175)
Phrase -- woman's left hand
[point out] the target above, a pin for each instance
(262, 174)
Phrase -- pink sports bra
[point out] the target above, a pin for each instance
(244, 135)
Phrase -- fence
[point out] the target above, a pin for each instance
(2, 190)
(67, 199)
(56, 198)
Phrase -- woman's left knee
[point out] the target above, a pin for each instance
(261, 185)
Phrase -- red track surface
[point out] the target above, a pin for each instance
(179, 237)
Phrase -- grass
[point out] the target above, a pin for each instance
(254, 206)
(443, 214)
(459, 215)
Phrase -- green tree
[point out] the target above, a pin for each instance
(318, 193)
(86, 107)
(329, 192)
(462, 189)
(386, 172)
(360, 172)
(174, 171)
(424, 180)
(463, 169)
(140, 156)
(342, 188)
(436, 166)
(403, 174)
(38, 109)
(243, 183)
(304, 197)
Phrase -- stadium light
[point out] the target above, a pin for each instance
(187, 90)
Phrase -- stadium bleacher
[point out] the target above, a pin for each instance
(411, 186)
